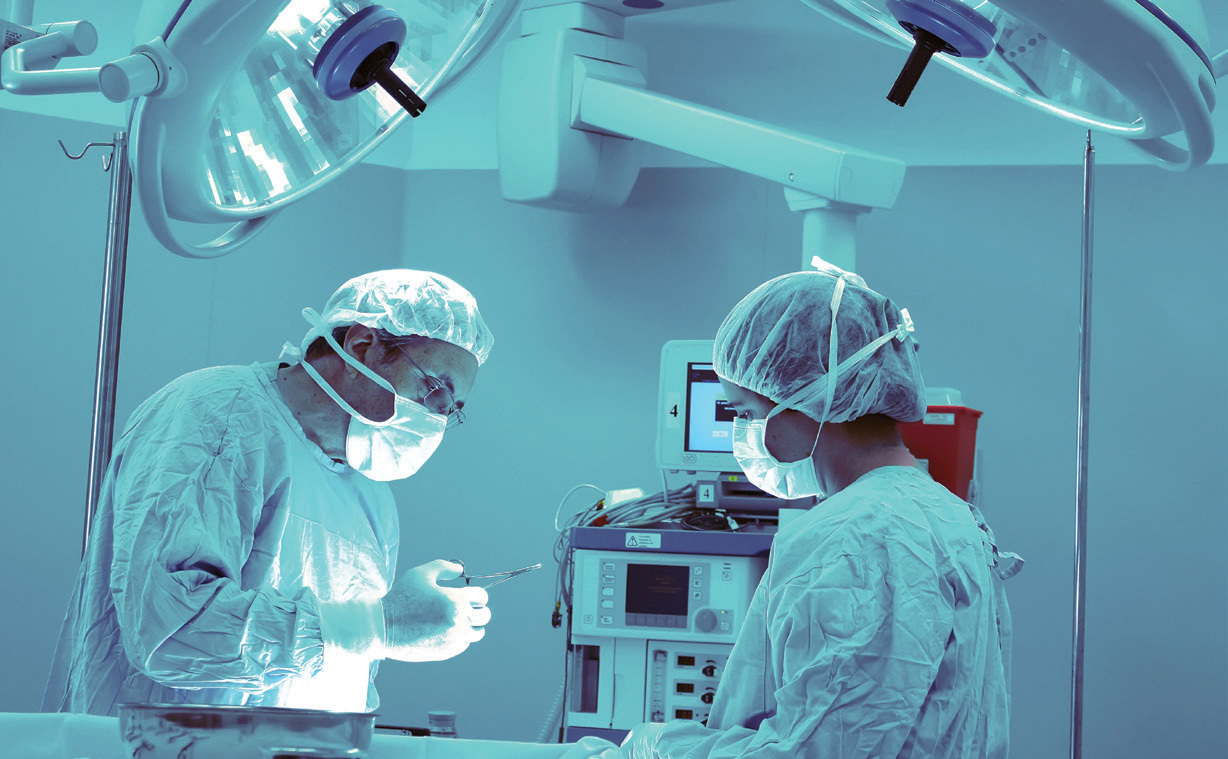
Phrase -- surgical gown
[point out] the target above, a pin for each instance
(219, 530)
(879, 630)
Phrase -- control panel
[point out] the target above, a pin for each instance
(682, 680)
(662, 596)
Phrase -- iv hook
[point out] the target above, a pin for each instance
(106, 160)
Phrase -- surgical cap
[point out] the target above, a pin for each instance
(406, 302)
(776, 343)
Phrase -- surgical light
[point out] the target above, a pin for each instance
(1136, 69)
(244, 106)
(279, 101)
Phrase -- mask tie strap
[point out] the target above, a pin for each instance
(902, 332)
(314, 319)
(345, 356)
(327, 388)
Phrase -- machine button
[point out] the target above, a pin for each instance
(658, 620)
(607, 591)
(705, 620)
(608, 579)
(696, 595)
(641, 619)
(726, 575)
(607, 604)
(607, 620)
(698, 571)
(607, 566)
(588, 619)
(697, 583)
(724, 625)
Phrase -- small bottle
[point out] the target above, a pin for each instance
(442, 724)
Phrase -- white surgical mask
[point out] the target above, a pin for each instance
(390, 450)
(783, 479)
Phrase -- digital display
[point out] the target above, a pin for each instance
(658, 589)
(686, 687)
(709, 417)
(686, 661)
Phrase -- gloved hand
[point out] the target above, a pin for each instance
(425, 621)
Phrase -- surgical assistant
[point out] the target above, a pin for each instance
(246, 538)
(881, 628)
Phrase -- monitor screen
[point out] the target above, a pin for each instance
(709, 417)
(658, 588)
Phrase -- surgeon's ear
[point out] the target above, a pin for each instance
(358, 343)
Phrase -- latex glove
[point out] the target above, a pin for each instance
(425, 621)
(592, 747)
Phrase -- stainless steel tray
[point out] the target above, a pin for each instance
(189, 731)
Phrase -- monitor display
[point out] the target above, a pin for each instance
(694, 421)
(709, 417)
(658, 589)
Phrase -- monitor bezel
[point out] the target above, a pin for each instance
(672, 456)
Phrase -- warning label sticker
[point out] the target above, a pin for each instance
(643, 540)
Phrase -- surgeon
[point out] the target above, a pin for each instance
(880, 628)
(246, 538)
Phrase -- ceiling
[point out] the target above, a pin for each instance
(773, 60)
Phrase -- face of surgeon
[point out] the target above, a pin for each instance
(845, 451)
(415, 371)
(439, 365)
(790, 434)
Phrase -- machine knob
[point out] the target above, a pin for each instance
(705, 620)
(710, 670)
(707, 697)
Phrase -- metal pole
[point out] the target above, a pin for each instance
(102, 428)
(1085, 365)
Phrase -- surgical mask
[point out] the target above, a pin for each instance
(799, 479)
(783, 479)
(390, 450)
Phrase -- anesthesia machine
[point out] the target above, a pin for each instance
(657, 606)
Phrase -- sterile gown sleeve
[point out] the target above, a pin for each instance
(857, 648)
(188, 503)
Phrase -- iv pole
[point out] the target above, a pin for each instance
(118, 217)
(1085, 360)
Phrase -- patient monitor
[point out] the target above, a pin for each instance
(695, 432)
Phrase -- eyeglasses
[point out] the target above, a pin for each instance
(443, 402)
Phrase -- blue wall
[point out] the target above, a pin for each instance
(985, 258)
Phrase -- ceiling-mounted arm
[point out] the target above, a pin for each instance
(23, 66)
(576, 113)
(790, 158)
(573, 93)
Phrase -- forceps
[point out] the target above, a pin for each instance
(503, 576)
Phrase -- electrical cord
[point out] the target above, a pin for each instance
(555, 715)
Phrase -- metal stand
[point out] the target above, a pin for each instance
(118, 216)
(1085, 361)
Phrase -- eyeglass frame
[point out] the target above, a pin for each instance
(454, 414)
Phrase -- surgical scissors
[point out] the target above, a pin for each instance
(503, 576)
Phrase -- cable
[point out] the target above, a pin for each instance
(570, 493)
(556, 712)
